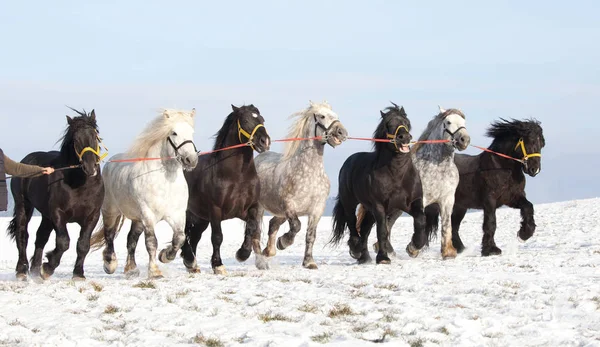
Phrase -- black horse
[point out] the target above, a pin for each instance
(386, 183)
(489, 181)
(74, 195)
(225, 185)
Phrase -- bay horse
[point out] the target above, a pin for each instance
(489, 181)
(385, 182)
(295, 183)
(148, 191)
(73, 195)
(225, 185)
(438, 173)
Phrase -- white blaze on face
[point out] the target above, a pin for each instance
(254, 115)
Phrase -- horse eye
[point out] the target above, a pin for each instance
(174, 134)
(322, 117)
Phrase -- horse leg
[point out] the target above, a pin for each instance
(133, 237)
(527, 222)
(62, 244)
(359, 249)
(311, 235)
(83, 244)
(151, 246)
(216, 239)
(382, 235)
(274, 225)
(41, 239)
(22, 214)
(488, 245)
(457, 216)
(111, 224)
(391, 220)
(252, 238)
(193, 231)
(287, 239)
(178, 225)
(419, 238)
(448, 250)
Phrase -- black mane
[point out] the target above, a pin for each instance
(221, 135)
(505, 130)
(84, 120)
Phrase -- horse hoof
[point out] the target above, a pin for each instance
(110, 266)
(164, 258)
(261, 263)
(269, 252)
(365, 259)
(132, 273)
(220, 270)
(194, 270)
(78, 278)
(449, 253)
(355, 255)
(281, 243)
(45, 272)
(155, 275)
(384, 262)
(242, 255)
(383, 259)
(311, 266)
(21, 277)
(485, 252)
(412, 251)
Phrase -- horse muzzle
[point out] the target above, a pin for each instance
(337, 135)
(461, 140)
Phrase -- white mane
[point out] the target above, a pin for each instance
(158, 130)
(303, 127)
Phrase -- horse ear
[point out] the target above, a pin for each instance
(402, 109)
(93, 115)
(311, 103)
(69, 120)
(234, 108)
(166, 114)
(193, 113)
(382, 114)
(441, 109)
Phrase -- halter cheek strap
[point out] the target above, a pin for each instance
(249, 136)
(392, 137)
(96, 151)
(325, 129)
(526, 156)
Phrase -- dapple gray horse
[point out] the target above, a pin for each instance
(295, 183)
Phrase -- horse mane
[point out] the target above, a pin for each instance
(434, 123)
(84, 120)
(381, 131)
(221, 135)
(504, 129)
(300, 128)
(158, 130)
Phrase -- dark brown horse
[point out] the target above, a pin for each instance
(69, 196)
(225, 185)
(489, 181)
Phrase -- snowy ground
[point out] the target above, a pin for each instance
(544, 292)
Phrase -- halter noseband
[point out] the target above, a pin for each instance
(96, 151)
(325, 129)
(176, 148)
(392, 137)
(250, 136)
(526, 156)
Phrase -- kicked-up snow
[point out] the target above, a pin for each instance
(545, 292)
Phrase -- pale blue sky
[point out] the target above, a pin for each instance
(128, 58)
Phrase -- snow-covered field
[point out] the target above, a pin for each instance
(545, 292)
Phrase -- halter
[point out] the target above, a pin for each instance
(250, 136)
(176, 148)
(392, 137)
(325, 129)
(525, 155)
(96, 151)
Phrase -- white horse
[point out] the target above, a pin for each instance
(294, 183)
(149, 191)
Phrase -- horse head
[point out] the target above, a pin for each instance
(251, 127)
(396, 127)
(327, 124)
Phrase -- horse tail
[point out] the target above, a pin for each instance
(11, 231)
(97, 240)
(432, 220)
(339, 222)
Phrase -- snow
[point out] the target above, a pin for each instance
(542, 292)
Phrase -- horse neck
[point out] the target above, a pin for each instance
(242, 156)
(393, 159)
(436, 151)
(161, 149)
(504, 147)
(311, 150)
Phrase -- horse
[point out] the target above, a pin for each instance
(294, 183)
(439, 175)
(225, 185)
(146, 185)
(489, 181)
(385, 182)
(72, 195)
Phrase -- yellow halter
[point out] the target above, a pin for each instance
(247, 135)
(392, 137)
(94, 151)
(525, 155)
